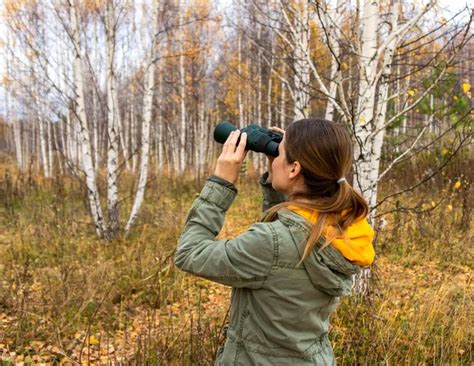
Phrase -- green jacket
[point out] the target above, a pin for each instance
(279, 312)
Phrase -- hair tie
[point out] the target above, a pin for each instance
(340, 180)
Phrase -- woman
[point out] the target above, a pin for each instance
(288, 271)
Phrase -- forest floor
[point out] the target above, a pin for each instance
(67, 297)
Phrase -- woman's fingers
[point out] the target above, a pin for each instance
(277, 129)
(241, 147)
(231, 142)
(228, 142)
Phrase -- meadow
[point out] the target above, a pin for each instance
(67, 297)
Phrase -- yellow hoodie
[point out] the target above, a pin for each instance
(356, 242)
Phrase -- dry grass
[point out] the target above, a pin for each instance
(67, 297)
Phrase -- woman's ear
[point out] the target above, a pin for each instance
(295, 170)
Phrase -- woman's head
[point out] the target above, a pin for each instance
(316, 151)
(314, 155)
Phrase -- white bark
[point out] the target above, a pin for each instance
(302, 69)
(69, 138)
(43, 143)
(182, 88)
(332, 22)
(86, 157)
(133, 138)
(14, 121)
(269, 91)
(18, 144)
(95, 110)
(49, 144)
(174, 136)
(202, 140)
(40, 121)
(54, 129)
(95, 131)
(283, 101)
(147, 115)
(124, 134)
(112, 121)
(240, 92)
(363, 123)
(160, 129)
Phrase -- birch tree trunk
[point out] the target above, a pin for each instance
(370, 122)
(147, 115)
(95, 110)
(123, 133)
(258, 158)
(302, 73)
(40, 122)
(333, 25)
(174, 136)
(133, 139)
(240, 92)
(283, 101)
(86, 156)
(160, 129)
(269, 91)
(56, 129)
(14, 121)
(364, 118)
(112, 122)
(49, 144)
(201, 141)
(182, 88)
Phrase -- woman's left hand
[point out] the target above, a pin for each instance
(232, 157)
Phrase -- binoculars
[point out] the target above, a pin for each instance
(259, 139)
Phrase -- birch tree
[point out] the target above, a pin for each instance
(80, 114)
(113, 121)
(147, 117)
(301, 78)
(182, 91)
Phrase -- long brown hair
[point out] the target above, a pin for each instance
(324, 150)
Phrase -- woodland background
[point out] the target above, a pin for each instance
(108, 109)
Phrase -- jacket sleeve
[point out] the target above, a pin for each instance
(270, 196)
(244, 261)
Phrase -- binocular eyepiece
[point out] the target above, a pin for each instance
(259, 139)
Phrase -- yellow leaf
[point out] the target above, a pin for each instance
(93, 340)
(361, 119)
(6, 81)
(457, 185)
(466, 87)
(433, 204)
(444, 151)
(344, 66)
(450, 207)
(455, 97)
(411, 92)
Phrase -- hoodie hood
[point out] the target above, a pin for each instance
(355, 244)
(328, 269)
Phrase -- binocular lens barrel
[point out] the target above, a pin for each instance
(222, 131)
(259, 139)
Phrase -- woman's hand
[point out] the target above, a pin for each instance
(271, 158)
(232, 156)
(278, 129)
